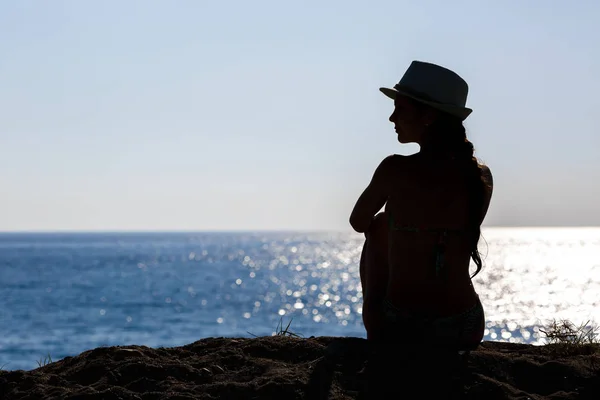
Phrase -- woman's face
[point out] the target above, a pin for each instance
(410, 120)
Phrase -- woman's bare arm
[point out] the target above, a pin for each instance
(372, 198)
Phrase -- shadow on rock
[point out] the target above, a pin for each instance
(391, 372)
(366, 371)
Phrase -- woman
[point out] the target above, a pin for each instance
(414, 267)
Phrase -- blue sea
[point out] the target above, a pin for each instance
(64, 293)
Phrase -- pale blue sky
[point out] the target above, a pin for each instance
(152, 115)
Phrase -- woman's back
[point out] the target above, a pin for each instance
(429, 244)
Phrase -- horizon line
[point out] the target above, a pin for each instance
(281, 230)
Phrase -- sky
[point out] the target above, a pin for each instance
(266, 115)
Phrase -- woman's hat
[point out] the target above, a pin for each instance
(436, 86)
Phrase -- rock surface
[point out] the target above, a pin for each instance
(284, 367)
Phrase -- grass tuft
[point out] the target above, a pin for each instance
(566, 332)
(280, 331)
(44, 361)
(565, 339)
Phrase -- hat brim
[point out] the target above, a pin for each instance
(460, 112)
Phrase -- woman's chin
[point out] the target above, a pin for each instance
(403, 141)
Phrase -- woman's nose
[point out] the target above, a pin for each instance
(393, 117)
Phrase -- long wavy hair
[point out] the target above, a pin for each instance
(447, 138)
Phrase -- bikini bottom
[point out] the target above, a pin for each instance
(463, 331)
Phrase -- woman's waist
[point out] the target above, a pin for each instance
(432, 298)
(418, 259)
(450, 277)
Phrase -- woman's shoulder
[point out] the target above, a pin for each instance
(395, 168)
(400, 158)
(394, 161)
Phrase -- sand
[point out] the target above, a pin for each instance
(285, 367)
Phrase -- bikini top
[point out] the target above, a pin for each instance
(440, 247)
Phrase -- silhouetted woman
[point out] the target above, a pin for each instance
(415, 262)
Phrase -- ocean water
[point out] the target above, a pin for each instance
(61, 294)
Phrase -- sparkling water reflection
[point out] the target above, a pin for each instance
(65, 293)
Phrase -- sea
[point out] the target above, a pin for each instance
(65, 293)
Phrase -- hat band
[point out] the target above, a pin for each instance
(418, 94)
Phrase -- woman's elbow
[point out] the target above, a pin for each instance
(358, 224)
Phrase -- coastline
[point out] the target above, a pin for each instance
(288, 367)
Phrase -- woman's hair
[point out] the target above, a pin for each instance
(446, 137)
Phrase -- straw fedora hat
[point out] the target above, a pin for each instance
(436, 86)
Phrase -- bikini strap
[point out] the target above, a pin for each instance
(443, 231)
